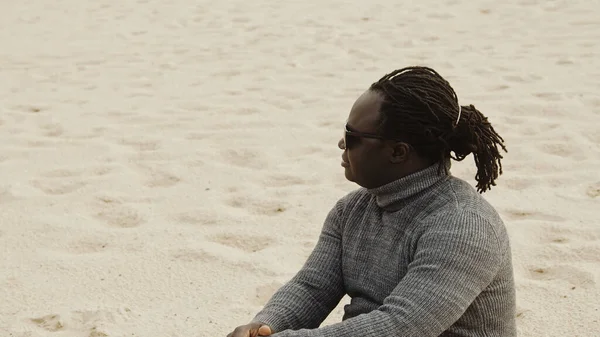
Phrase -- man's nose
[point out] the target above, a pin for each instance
(341, 144)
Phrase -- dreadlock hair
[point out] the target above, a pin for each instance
(421, 108)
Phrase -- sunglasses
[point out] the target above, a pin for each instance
(352, 137)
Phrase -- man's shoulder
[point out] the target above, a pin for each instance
(466, 211)
(358, 196)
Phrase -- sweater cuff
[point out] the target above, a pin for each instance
(270, 319)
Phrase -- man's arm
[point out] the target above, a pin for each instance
(451, 266)
(311, 295)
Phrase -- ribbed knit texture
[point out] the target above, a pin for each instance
(423, 256)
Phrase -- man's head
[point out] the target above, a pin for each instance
(370, 159)
(411, 119)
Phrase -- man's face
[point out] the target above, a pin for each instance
(365, 159)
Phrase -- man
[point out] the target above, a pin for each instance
(419, 252)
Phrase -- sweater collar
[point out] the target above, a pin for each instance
(392, 196)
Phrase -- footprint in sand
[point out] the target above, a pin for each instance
(593, 136)
(562, 149)
(151, 156)
(564, 62)
(500, 87)
(62, 173)
(532, 215)
(65, 181)
(244, 158)
(52, 130)
(141, 145)
(33, 109)
(440, 16)
(593, 191)
(261, 207)
(86, 246)
(518, 184)
(246, 243)
(6, 195)
(51, 323)
(200, 257)
(266, 291)
(321, 151)
(91, 322)
(190, 255)
(58, 187)
(158, 178)
(587, 252)
(116, 213)
(515, 79)
(243, 129)
(564, 273)
(58, 182)
(556, 233)
(41, 143)
(197, 135)
(199, 218)
(549, 96)
(283, 180)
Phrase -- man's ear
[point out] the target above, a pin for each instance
(400, 153)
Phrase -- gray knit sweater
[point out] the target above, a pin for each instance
(423, 256)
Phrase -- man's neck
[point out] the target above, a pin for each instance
(413, 166)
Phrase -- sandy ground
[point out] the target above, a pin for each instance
(166, 165)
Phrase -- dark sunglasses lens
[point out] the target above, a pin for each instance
(350, 140)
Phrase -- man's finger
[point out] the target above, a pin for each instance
(264, 330)
(240, 332)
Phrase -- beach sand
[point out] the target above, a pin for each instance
(166, 166)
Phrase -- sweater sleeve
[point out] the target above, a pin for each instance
(453, 263)
(310, 296)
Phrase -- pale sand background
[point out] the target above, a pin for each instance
(166, 165)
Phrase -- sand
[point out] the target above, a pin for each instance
(165, 166)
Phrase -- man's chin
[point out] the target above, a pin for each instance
(348, 174)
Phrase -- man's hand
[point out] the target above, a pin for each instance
(253, 329)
